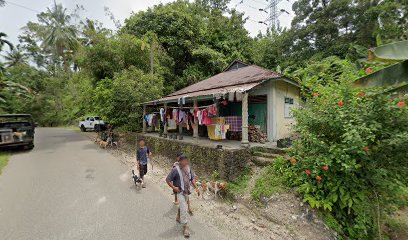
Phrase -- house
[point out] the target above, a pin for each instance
(243, 95)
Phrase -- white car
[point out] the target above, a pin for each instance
(91, 123)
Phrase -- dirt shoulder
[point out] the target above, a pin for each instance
(283, 216)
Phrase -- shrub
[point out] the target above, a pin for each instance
(351, 158)
(118, 100)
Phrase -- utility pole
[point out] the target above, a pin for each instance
(274, 12)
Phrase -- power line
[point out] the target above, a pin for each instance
(258, 1)
(22, 6)
(246, 5)
(241, 2)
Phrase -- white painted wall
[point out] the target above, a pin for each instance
(276, 90)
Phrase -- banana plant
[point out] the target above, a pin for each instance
(392, 77)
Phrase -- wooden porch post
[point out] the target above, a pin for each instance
(144, 122)
(180, 126)
(245, 141)
(165, 121)
(195, 127)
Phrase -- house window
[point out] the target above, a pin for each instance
(288, 107)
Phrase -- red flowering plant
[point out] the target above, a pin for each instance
(350, 158)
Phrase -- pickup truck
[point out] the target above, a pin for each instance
(91, 123)
(17, 130)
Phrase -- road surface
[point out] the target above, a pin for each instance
(67, 188)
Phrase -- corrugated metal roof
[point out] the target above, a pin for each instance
(238, 80)
(240, 76)
(210, 92)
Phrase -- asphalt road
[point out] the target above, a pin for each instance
(67, 188)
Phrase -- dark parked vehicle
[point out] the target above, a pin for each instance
(17, 130)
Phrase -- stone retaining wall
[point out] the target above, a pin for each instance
(205, 161)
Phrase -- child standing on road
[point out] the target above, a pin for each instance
(179, 180)
(142, 157)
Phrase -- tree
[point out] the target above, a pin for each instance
(15, 57)
(110, 55)
(176, 27)
(194, 35)
(4, 41)
(333, 27)
(54, 35)
(214, 6)
(118, 100)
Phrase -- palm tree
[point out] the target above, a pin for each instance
(4, 41)
(60, 35)
(15, 57)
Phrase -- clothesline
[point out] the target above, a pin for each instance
(187, 107)
(190, 107)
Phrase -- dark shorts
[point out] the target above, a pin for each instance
(142, 170)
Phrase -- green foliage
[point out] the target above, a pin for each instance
(17, 86)
(350, 158)
(332, 28)
(200, 40)
(15, 57)
(240, 184)
(4, 158)
(270, 182)
(118, 99)
(328, 70)
(4, 41)
(53, 39)
(124, 50)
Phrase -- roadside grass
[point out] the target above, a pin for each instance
(241, 183)
(396, 225)
(72, 128)
(4, 157)
(268, 183)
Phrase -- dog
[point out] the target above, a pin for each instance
(19, 135)
(138, 181)
(103, 144)
(214, 187)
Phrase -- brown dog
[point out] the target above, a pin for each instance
(103, 144)
(19, 135)
(213, 187)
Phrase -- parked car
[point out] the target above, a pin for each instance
(17, 130)
(91, 123)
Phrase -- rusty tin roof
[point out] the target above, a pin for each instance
(241, 79)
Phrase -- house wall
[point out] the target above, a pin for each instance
(276, 90)
(284, 124)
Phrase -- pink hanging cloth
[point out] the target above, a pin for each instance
(206, 118)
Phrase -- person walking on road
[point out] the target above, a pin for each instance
(179, 179)
(142, 158)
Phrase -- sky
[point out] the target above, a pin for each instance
(16, 13)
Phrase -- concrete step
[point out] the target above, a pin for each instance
(272, 150)
(262, 161)
(266, 154)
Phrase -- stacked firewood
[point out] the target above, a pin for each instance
(256, 135)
